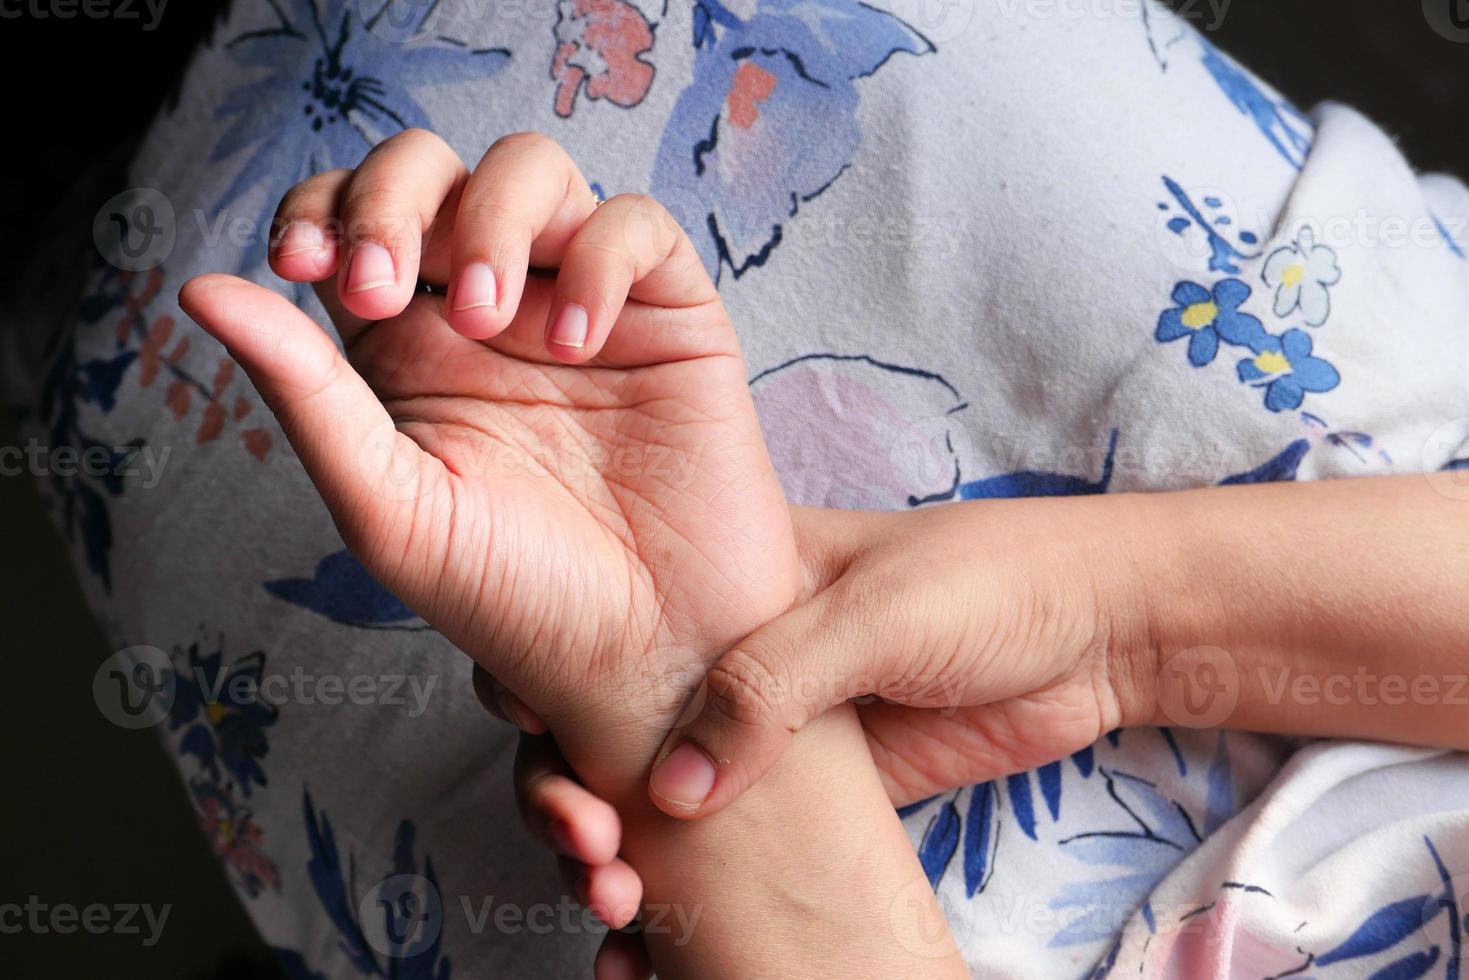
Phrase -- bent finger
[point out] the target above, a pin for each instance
(560, 811)
(388, 210)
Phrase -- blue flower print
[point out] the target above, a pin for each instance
(1282, 124)
(406, 940)
(1300, 274)
(1448, 237)
(333, 88)
(223, 714)
(344, 592)
(769, 121)
(1286, 369)
(1207, 317)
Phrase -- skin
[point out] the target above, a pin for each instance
(1038, 625)
(591, 524)
(563, 472)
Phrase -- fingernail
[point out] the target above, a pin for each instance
(476, 288)
(372, 268)
(559, 833)
(302, 236)
(570, 327)
(685, 778)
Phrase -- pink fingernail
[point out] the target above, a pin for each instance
(685, 778)
(569, 329)
(372, 268)
(302, 236)
(476, 288)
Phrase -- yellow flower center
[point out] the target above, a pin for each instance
(216, 712)
(1293, 274)
(1272, 362)
(1200, 315)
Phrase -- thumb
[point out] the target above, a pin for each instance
(362, 466)
(755, 699)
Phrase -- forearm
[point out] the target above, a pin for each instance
(1339, 608)
(810, 874)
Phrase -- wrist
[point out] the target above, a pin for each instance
(828, 541)
(1162, 610)
(837, 878)
(1130, 565)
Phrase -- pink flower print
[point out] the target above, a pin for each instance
(598, 44)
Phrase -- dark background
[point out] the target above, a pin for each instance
(90, 813)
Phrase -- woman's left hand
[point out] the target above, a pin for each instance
(1031, 686)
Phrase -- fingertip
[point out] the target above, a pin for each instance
(372, 283)
(683, 781)
(473, 308)
(307, 267)
(206, 298)
(568, 334)
(477, 323)
(612, 892)
(199, 287)
(583, 827)
(304, 254)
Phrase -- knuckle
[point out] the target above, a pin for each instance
(744, 690)
(645, 210)
(496, 214)
(418, 138)
(382, 220)
(636, 201)
(373, 191)
(596, 254)
(524, 142)
(411, 140)
(314, 194)
(650, 231)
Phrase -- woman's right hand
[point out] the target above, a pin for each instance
(561, 471)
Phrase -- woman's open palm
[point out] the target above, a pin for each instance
(563, 471)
